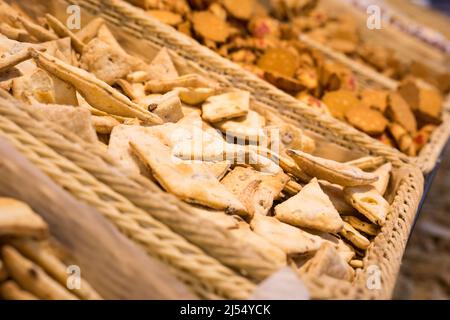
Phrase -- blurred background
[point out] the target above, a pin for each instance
(425, 271)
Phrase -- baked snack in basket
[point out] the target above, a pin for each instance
(263, 37)
(237, 162)
(30, 266)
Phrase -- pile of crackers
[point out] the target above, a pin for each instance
(31, 266)
(236, 162)
(266, 41)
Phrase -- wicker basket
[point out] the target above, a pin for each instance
(213, 262)
(84, 238)
(141, 25)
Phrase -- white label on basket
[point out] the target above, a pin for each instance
(74, 19)
(373, 281)
(374, 17)
(74, 279)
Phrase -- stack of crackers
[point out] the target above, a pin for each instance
(30, 266)
(238, 163)
(266, 41)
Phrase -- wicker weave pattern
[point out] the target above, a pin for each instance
(208, 277)
(90, 175)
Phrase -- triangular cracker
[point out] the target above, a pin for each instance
(310, 208)
(290, 239)
(191, 182)
(336, 194)
(161, 67)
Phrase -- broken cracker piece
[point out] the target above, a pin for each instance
(90, 31)
(336, 194)
(119, 147)
(368, 202)
(169, 110)
(17, 219)
(352, 235)
(75, 120)
(276, 255)
(161, 67)
(367, 228)
(226, 106)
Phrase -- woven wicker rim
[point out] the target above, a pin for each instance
(87, 173)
